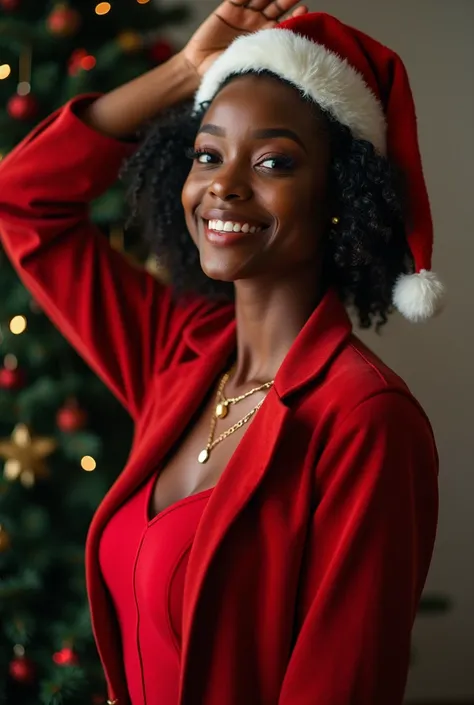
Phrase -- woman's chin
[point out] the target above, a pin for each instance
(224, 269)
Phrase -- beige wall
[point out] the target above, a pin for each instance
(436, 40)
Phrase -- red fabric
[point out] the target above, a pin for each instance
(143, 562)
(385, 74)
(308, 563)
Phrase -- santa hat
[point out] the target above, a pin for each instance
(363, 85)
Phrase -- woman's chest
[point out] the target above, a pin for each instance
(207, 437)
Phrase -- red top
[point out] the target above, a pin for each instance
(308, 563)
(144, 563)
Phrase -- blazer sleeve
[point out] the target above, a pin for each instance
(368, 553)
(117, 317)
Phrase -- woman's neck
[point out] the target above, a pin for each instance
(269, 316)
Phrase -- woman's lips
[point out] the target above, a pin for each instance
(228, 237)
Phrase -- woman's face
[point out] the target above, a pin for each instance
(254, 199)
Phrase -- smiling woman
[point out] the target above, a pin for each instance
(268, 541)
(329, 205)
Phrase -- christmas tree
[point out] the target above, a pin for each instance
(63, 438)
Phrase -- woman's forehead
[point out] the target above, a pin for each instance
(262, 100)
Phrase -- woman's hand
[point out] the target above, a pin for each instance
(128, 108)
(230, 20)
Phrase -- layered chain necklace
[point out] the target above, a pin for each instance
(221, 410)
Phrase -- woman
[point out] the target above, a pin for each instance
(270, 536)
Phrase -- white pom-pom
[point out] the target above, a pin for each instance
(418, 296)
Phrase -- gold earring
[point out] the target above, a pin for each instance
(335, 220)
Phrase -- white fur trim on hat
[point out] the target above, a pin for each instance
(319, 73)
(418, 296)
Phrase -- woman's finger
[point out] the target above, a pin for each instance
(279, 8)
(274, 11)
(259, 5)
(299, 11)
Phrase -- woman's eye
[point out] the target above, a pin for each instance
(277, 163)
(201, 156)
(204, 158)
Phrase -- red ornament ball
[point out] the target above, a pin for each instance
(10, 5)
(11, 379)
(64, 21)
(80, 60)
(71, 418)
(161, 51)
(22, 669)
(66, 657)
(74, 63)
(22, 107)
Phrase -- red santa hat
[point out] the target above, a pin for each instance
(363, 85)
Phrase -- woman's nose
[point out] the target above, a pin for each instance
(230, 184)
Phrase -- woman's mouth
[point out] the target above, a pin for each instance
(226, 232)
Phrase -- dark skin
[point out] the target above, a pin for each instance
(264, 161)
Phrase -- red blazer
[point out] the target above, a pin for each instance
(308, 565)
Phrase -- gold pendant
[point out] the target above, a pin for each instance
(203, 456)
(222, 409)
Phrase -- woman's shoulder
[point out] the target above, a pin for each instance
(357, 382)
(359, 364)
(364, 411)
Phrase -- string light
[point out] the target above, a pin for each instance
(103, 8)
(24, 73)
(27, 479)
(18, 325)
(5, 71)
(88, 463)
(10, 362)
(23, 88)
(142, 2)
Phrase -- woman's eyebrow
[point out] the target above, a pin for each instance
(264, 134)
(279, 132)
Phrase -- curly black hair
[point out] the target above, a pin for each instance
(365, 251)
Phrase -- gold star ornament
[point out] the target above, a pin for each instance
(25, 456)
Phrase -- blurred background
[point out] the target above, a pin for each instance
(63, 439)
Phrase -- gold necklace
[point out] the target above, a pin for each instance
(222, 407)
(221, 411)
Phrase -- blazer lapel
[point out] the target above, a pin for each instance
(240, 479)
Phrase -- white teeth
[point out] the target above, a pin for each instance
(229, 226)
